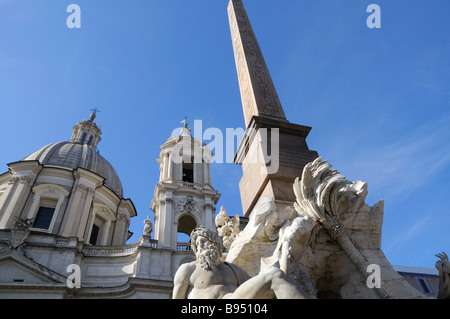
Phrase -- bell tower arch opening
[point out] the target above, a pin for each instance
(186, 224)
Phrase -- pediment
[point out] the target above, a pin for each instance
(16, 268)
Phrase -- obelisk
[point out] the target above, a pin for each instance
(270, 140)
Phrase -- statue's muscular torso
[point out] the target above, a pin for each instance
(215, 284)
(219, 283)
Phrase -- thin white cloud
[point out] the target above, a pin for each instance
(404, 238)
(409, 162)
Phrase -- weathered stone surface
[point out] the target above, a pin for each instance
(326, 243)
(258, 93)
(272, 154)
(274, 151)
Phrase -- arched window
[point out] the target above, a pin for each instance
(83, 138)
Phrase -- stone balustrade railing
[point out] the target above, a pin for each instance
(184, 247)
(126, 250)
(111, 251)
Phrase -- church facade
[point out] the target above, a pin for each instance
(64, 221)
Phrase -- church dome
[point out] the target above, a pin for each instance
(74, 155)
(80, 151)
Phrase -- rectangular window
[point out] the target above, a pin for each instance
(94, 235)
(44, 217)
(188, 172)
(188, 175)
(424, 285)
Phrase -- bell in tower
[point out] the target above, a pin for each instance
(184, 197)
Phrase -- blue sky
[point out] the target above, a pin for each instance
(378, 100)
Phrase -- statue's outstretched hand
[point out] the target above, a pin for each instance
(443, 256)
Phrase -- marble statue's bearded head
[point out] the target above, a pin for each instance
(207, 247)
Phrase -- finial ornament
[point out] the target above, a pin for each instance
(94, 113)
(185, 122)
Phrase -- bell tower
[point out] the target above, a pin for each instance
(184, 197)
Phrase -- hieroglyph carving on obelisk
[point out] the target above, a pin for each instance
(267, 129)
(258, 93)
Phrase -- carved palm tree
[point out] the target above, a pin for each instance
(319, 194)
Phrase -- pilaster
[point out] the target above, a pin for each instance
(13, 200)
(76, 218)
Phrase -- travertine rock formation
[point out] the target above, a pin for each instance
(329, 242)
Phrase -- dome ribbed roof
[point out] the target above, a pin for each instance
(73, 155)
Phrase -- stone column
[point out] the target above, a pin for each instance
(77, 211)
(120, 235)
(168, 225)
(208, 214)
(165, 166)
(164, 220)
(171, 171)
(14, 198)
(103, 240)
(83, 219)
(5, 199)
